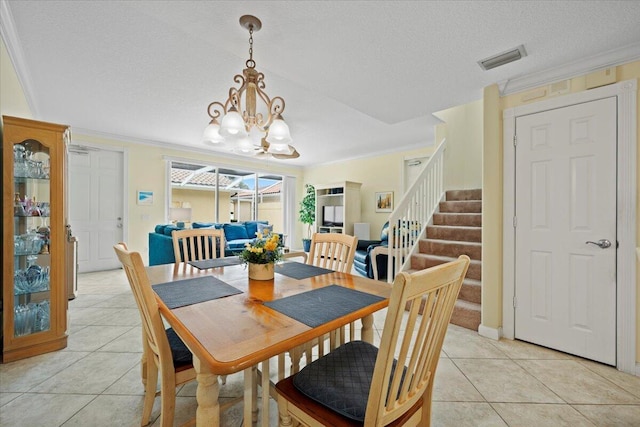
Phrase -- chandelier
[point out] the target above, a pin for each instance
(244, 131)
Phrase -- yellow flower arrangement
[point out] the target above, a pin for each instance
(263, 250)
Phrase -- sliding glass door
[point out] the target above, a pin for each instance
(209, 193)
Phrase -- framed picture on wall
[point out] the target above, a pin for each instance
(384, 201)
(145, 197)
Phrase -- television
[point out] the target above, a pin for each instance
(332, 216)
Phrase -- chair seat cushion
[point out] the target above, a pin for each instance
(179, 351)
(341, 380)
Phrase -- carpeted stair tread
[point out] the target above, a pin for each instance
(457, 233)
(475, 194)
(420, 261)
(466, 206)
(451, 248)
(471, 291)
(466, 314)
(458, 219)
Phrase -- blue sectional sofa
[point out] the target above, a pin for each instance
(236, 235)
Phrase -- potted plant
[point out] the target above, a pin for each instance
(308, 214)
(261, 256)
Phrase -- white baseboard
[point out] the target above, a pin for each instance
(493, 333)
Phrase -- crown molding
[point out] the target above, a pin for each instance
(580, 67)
(10, 37)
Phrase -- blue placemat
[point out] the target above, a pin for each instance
(319, 306)
(192, 291)
(298, 270)
(215, 262)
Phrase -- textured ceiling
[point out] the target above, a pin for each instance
(357, 77)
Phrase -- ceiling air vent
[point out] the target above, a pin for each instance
(503, 58)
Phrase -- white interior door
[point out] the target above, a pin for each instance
(565, 169)
(96, 206)
(411, 170)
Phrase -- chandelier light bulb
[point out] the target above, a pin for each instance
(233, 124)
(278, 132)
(244, 146)
(280, 148)
(212, 132)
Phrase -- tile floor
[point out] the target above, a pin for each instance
(95, 381)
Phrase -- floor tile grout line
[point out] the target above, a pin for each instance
(59, 371)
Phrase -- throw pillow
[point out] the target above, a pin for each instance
(265, 229)
(252, 227)
(235, 232)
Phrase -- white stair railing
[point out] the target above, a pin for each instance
(408, 222)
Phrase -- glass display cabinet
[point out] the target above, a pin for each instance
(34, 301)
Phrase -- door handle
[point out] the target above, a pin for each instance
(602, 243)
(119, 225)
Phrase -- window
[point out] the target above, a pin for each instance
(208, 193)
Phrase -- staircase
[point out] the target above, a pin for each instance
(457, 230)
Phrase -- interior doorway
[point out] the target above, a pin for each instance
(96, 205)
(625, 95)
(565, 220)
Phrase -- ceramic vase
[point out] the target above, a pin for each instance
(261, 271)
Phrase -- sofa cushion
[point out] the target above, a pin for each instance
(160, 228)
(199, 224)
(235, 232)
(169, 229)
(252, 227)
(238, 244)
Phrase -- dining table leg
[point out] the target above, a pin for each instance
(208, 412)
(367, 329)
(250, 411)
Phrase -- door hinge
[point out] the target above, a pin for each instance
(515, 140)
(515, 221)
(515, 302)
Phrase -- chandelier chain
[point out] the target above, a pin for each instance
(250, 62)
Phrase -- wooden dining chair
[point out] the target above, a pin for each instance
(396, 379)
(197, 244)
(164, 353)
(334, 251)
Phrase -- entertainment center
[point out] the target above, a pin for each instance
(337, 207)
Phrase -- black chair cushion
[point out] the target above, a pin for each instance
(341, 380)
(179, 351)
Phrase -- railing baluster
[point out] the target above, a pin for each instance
(408, 222)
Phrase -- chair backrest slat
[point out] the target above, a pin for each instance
(407, 359)
(197, 244)
(333, 251)
(153, 326)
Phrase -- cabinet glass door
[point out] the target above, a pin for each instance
(31, 233)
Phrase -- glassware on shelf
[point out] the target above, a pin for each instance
(28, 244)
(25, 319)
(43, 319)
(30, 280)
(18, 207)
(31, 318)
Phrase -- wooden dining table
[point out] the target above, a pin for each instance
(237, 332)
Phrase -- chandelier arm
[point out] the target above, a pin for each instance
(276, 107)
(234, 99)
(216, 111)
(260, 81)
